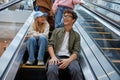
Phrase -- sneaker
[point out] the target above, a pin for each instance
(40, 63)
(29, 63)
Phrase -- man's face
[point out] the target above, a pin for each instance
(68, 19)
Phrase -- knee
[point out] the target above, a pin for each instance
(52, 69)
(42, 38)
(31, 39)
(75, 70)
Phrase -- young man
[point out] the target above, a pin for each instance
(64, 47)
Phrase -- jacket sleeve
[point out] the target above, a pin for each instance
(76, 48)
(52, 39)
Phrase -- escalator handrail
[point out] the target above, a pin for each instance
(111, 10)
(116, 24)
(111, 2)
(9, 54)
(6, 5)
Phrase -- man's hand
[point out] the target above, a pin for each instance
(53, 60)
(64, 63)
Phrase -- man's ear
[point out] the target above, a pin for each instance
(74, 20)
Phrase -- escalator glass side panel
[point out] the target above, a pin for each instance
(110, 4)
(111, 15)
(19, 4)
(105, 39)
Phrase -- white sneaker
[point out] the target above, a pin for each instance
(29, 63)
(40, 63)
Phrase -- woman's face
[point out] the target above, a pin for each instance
(41, 19)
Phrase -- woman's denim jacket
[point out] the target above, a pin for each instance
(57, 39)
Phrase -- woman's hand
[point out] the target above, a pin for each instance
(36, 34)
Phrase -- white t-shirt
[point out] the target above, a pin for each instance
(64, 47)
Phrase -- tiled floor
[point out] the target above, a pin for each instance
(3, 45)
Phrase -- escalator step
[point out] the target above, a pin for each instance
(33, 66)
(31, 73)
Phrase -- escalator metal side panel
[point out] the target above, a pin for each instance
(15, 64)
(86, 69)
(93, 62)
(85, 65)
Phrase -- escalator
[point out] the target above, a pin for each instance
(99, 57)
(105, 36)
(106, 40)
(106, 58)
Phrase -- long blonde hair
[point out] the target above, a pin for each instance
(37, 27)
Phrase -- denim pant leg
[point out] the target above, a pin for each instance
(42, 43)
(31, 46)
(75, 70)
(59, 16)
(52, 73)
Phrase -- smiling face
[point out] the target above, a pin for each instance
(68, 19)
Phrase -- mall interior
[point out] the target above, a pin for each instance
(98, 25)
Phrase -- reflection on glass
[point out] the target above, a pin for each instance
(107, 13)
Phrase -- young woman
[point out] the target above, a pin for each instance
(46, 6)
(38, 35)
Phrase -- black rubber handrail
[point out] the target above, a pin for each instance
(4, 6)
(111, 2)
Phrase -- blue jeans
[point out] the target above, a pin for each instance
(75, 71)
(59, 16)
(32, 44)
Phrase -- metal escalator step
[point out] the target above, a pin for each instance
(107, 48)
(31, 73)
(99, 32)
(32, 66)
(106, 39)
(89, 22)
(116, 61)
(93, 27)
